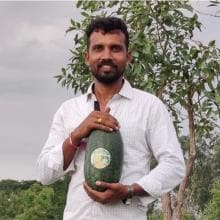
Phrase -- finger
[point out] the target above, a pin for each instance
(89, 191)
(110, 121)
(104, 118)
(95, 195)
(86, 187)
(106, 123)
(103, 127)
(111, 186)
(116, 190)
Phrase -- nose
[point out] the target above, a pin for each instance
(106, 54)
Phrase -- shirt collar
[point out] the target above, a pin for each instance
(89, 91)
(126, 90)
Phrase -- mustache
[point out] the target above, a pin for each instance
(108, 62)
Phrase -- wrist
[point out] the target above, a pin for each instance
(73, 140)
(129, 194)
(130, 191)
(133, 190)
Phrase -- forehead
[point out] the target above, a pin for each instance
(112, 37)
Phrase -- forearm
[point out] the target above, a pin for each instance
(163, 178)
(138, 190)
(69, 147)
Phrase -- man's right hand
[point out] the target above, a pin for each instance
(95, 120)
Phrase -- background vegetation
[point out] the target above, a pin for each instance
(182, 72)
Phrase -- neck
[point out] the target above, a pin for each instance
(105, 92)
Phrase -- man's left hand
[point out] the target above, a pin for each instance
(113, 192)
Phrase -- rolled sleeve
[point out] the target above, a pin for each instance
(151, 186)
(50, 161)
(166, 149)
(55, 158)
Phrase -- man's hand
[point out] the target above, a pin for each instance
(96, 120)
(113, 192)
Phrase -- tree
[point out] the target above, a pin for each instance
(30, 200)
(205, 172)
(36, 203)
(167, 61)
(10, 190)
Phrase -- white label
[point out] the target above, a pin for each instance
(100, 158)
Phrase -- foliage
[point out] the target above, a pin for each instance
(188, 216)
(32, 202)
(212, 211)
(9, 195)
(13, 185)
(206, 171)
(158, 215)
(155, 215)
(36, 203)
(166, 59)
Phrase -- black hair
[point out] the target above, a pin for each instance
(107, 24)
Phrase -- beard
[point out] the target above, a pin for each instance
(107, 76)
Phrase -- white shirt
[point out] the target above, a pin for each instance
(146, 129)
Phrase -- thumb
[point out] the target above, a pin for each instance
(105, 185)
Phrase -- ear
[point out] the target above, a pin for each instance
(129, 57)
(86, 57)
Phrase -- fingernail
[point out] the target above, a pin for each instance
(117, 128)
(98, 183)
(110, 129)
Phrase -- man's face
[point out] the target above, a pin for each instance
(107, 56)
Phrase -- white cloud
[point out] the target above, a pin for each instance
(33, 49)
(26, 44)
(23, 34)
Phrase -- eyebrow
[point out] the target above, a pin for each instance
(101, 45)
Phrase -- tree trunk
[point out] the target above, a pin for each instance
(166, 204)
(189, 165)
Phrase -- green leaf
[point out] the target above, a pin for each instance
(187, 7)
(78, 4)
(217, 99)
(135, 54)
(70, 29)
(83, 13)
(63, 71)
(211, 43)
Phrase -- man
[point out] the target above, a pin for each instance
(144, 124)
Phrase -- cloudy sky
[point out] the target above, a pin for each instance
(33, 48)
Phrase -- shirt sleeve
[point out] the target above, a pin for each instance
(50, 160)
(162, 139)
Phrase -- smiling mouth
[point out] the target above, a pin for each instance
(106, 67)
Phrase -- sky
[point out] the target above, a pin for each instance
(33, 48)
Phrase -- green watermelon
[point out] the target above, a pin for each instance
(104, 158)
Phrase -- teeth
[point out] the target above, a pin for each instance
(106, 66)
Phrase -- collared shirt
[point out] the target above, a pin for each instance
(146, 130)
